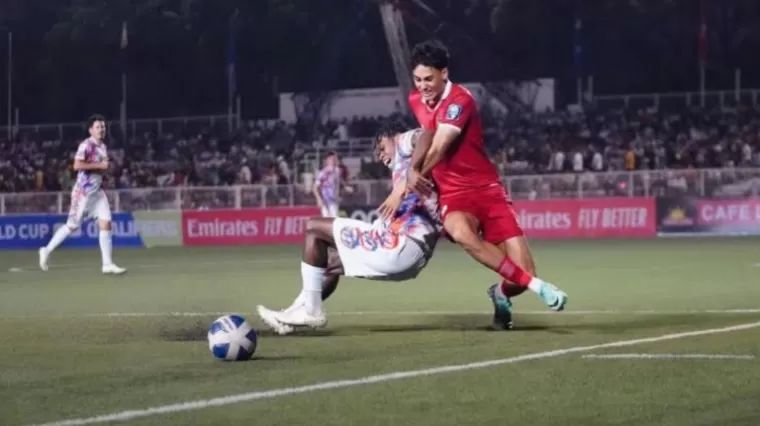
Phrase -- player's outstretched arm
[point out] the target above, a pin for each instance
(442, 140)
(414, 178)
(421, 147)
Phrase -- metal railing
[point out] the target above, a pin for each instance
(723, 183)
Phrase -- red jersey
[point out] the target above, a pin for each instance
(466, 167)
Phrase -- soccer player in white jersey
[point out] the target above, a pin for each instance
(327, 186)
(88, 200)
(386, 250)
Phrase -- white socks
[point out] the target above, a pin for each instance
(60, 235)
(312, 288)
(535, 285)
(106, 247)
(104, 238)
(300, 301)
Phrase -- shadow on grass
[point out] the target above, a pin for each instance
(558, 324)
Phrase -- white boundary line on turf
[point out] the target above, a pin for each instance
(381, 378)
(168, 265)
(670, 356)
(380, 314)
(432, 313)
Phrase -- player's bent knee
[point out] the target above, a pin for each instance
(319, 226)
(104, 225)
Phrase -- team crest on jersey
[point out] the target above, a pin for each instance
(453, 112)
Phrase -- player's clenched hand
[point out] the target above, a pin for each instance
(418, 183)
(103, 165)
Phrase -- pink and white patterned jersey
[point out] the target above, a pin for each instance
(416, 217)
(91, 152)
(328, 180)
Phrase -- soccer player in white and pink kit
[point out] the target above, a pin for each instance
(88, 200)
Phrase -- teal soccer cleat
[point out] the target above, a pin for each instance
(502, 309)
(555, 298)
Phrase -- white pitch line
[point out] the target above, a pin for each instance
(289, 260)
(433, 313)
(381, 378)
(669, 356)
(169, 265)
(405, 313)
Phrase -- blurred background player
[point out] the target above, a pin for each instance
(472, 197)
(395, 250)
(88, 200)
(327, 186)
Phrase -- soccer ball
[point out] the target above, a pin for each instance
(230, 338)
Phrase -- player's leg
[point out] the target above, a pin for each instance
(330, 280)
(518, 250)
(333, 209)
(79, 206)
(502, 305)
(329, 285)
(500, 226)
(307, 308)
(464, 227)
(101, 211)
(332, 274)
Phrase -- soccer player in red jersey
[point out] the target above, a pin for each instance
(472, 197)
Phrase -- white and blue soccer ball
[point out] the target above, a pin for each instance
(231, 338)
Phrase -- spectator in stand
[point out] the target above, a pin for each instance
(522, 143)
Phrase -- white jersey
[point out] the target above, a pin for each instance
(399, 249)
(328, 180)
(88, 200)
(91, 152)
(416, 217)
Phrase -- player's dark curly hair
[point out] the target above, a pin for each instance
(431, 53)
(390, 129)
(94, 119)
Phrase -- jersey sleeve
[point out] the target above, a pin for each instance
(406, 143)
(457, 112)
(83, 151)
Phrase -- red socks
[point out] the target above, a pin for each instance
(511, 272)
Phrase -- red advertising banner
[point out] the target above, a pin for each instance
(588, 218)
(281, 225)
(728, 212)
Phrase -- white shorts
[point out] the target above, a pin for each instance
(330, 210)
(368, 252)
(85, 206)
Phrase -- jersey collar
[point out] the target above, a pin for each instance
(444, 95)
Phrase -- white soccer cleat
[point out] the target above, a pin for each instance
(270, 318)
(44, 254)
(113, 270)
(300, 317)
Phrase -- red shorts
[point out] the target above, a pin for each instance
(492, 209)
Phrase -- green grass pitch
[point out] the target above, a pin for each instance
(77, 345)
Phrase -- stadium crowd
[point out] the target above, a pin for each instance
(269, 153)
